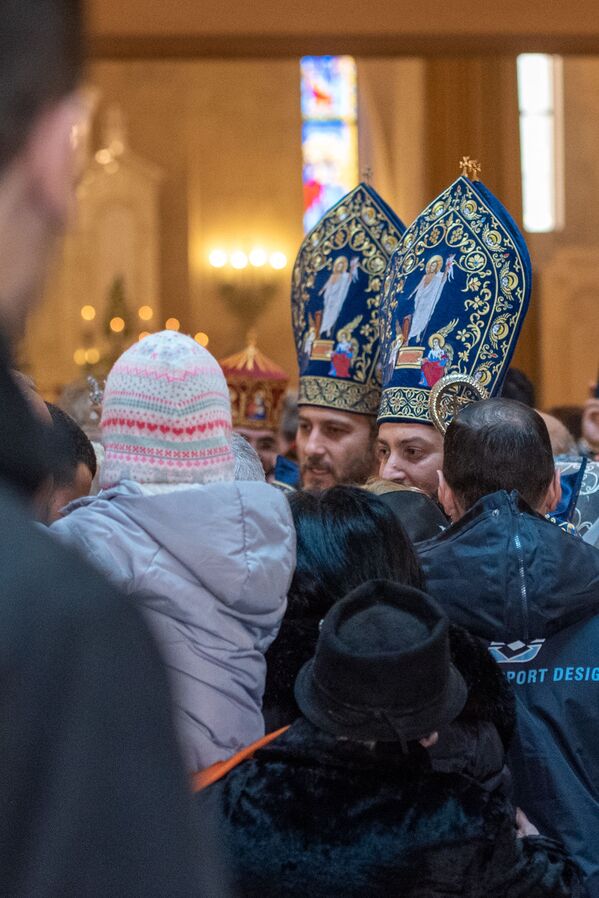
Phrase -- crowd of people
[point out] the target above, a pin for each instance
(251, 647)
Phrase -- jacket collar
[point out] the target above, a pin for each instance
(494, 505)
(505, 572)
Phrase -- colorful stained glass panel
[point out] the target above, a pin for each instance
(329, 132)
(329, 151)
(328, 87)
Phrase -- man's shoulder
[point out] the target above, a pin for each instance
(492, 519)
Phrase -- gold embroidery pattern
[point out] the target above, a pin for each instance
(361, 225)
(344, 395)
(460, 222)
(408, 403)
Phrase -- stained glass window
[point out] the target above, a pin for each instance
(329, 132)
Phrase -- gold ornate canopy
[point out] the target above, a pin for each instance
(257, 386)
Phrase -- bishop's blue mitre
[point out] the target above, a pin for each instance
(335, 294)
(454, 300)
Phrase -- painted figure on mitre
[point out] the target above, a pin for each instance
(335, 291)
(436, 361)
(428, 292)
(345, 350)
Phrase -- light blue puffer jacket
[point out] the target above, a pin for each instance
(210, 568)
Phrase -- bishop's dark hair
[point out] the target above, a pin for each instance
(498, 444)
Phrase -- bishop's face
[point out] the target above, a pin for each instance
(334, 447)
(410, 454)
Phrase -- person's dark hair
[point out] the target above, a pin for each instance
(519, 387)
(345, 536)
(72, 447)
(570, 416)
(498, 444)
(41, 59)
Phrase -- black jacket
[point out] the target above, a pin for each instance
(420, 517)
(93, 798)
(312, 816)
(532, 591)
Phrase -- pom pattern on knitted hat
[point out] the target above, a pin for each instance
(166, 415)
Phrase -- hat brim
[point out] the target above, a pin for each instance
(372, 724)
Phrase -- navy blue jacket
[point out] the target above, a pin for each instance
(532, 591)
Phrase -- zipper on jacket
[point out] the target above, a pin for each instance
(522, 578)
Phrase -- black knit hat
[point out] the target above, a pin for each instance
(382, 669)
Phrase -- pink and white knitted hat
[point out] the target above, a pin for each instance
(166, 415)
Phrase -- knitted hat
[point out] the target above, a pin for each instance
(166, 415)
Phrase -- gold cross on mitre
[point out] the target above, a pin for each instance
(367, 175)
(470, 168)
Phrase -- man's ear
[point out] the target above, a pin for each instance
(51, 157)
(553, 496)
(448, 500)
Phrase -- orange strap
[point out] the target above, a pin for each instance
(216, 771)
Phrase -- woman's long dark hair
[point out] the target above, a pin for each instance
(345, 536)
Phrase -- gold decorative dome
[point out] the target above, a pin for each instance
(257, 386)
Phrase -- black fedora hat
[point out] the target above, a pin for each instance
(382, 669)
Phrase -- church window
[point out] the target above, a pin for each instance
(541, 141)
(329, 132)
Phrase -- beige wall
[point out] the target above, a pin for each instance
(378, 27)
(392, 112)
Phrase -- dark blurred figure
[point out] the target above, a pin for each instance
(345, 803)
(288, 428)
(513, 578)
(518, 386)
(75, 466)
(93, 799)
